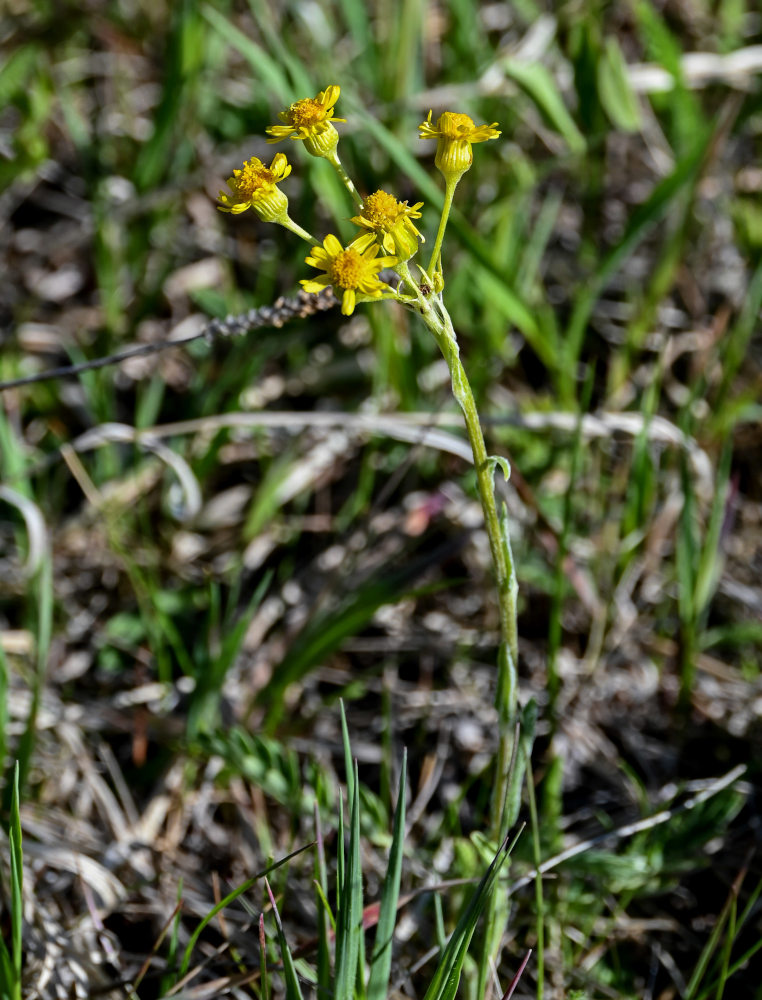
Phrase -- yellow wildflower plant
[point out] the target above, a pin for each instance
(310, 120)
(390, 238)
(353, 270)
(455, 133)
(391, 221)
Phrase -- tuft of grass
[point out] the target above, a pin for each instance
(11, 958)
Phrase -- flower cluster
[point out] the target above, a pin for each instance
(353, 271)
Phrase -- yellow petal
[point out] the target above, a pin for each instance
(280, 166)
(348, 302)
(315, 284)
(361, 243)
(332, 245)
(321, 263)
(329, 96)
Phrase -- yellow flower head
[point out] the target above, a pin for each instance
(455, 134)
(311, 120)
(351, 271)
(256, 186)
(390, 220)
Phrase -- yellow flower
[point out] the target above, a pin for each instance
(352, 270)
(311, 120)
(255, 186)
(390, 220)
(455, 134)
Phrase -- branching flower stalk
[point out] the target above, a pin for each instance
(390, 239)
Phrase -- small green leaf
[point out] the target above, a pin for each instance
(616, 95)
(493, 461)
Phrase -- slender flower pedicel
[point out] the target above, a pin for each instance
(311, 120)
(352, 271)
(455, 133)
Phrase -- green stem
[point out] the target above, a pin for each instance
(288, 223)
(450, 185)
(506, 793)
(346, 180)
(437, 319)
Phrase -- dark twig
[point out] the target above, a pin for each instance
(278, 314)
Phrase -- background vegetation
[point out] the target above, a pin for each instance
(180, 612)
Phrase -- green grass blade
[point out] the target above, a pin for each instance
(617, 97)
(17, 880)
(301, 78)
(184, 58)
(711, 559)
(328, 629)
(381, 959)
(349, 928)
(266, 69)
(539, 85)
(444, 984)
(244, 887)
(264, 975)
(324, 990)
(641, 221)
(728, 912)
(43, 626)
(340, 859)
(4, 693)
(348, 765)
(293, 989)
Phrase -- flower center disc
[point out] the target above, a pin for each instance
(380, 209)
(253, 178)
(347, 269)
(305, 113)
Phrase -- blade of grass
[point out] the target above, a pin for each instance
(540, 87)
(444, 983)
(43, 614)
(349, 924)
(381, 959)
(244, 887)
(539, 899)
(324, 990)
(184, 58)
(17, 882)
(641, 221)
(348, 766)
(264, 977)
(301, 79)
(728, 910)
(293, 989)
(266, 69)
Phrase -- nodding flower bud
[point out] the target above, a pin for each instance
(455, 133)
